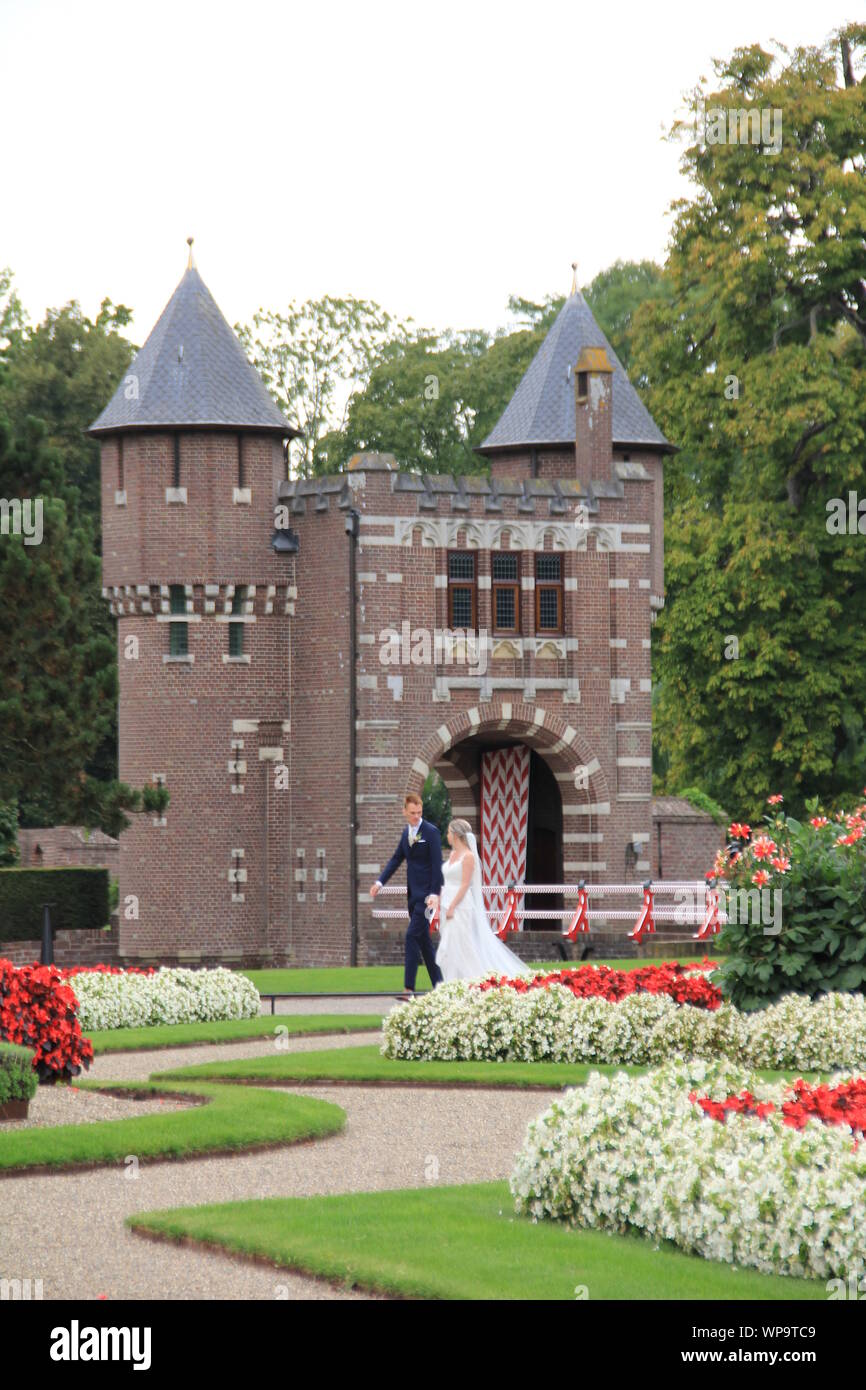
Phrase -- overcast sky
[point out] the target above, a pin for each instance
(435, 157)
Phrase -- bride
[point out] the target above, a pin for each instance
(469, 949)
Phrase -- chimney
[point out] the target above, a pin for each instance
(593, 411)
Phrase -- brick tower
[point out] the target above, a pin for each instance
(192, 455)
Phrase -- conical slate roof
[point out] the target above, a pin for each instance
(192, 371)
(542, 411)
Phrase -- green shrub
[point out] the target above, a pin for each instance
(820, 946)
(701, 802)
(80, 898)
(18, 1080)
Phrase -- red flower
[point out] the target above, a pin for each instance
(774, 800)
(686, 984)
(38, 1011)
(782, 863)
(764, 847)
(818, 821)
(761, 878)
(738, 831)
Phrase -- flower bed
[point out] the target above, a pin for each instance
(686, 984)
(800, 917)
(458, 1022)
(40, 1012)
(774, 1187)
(135, 1000)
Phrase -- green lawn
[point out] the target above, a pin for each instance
(230, 1030)
(363, 1064)
(461, 1243)
(360, 1065)
(389, 978)
(232, 1117)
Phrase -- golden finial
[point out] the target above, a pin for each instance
(190, 265)
(574, 277)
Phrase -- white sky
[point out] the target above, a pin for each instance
(434, 157)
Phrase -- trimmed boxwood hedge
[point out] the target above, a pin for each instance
(18, 1079)
(79, 898)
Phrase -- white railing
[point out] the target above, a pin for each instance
(702, 910)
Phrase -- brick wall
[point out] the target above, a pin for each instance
(687, 846)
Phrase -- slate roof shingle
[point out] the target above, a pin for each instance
(542, 410)
(192, 371)
(676, 808)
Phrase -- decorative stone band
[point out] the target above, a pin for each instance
(201, 599)
(483, 534)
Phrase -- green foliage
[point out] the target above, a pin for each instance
(314, 354)
(701, 802)
(58, 685)
(79, 899)
(155, 799)
(754, 361)
(58, 677)
(9, 852)
(18, 1077)
(821, 943)
(616, 294)
(64, 371)
(437, 803)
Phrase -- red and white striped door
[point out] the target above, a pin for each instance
(504, 811)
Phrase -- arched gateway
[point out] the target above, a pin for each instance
(310, 649)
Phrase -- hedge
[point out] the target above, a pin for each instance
(18, 1080)
(79, 898)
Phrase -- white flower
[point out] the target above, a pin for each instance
(168, 996)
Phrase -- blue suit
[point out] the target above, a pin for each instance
(423, 877)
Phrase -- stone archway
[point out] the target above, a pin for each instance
(586, 806)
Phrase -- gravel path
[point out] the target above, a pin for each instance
(66, 1105)
(67, 1230)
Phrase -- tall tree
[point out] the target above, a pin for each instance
(312, 357)
(754, 359)
(614, 296)
(64, 371)
(57, 672)
(54, 380)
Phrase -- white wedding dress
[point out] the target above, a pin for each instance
(469, 949)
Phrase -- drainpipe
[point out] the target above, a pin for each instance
(353, 527)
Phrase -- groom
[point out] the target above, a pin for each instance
(421, 847)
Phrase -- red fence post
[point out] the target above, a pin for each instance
(580, 920)
(510, 922)
(711, 925)
(645, 921)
